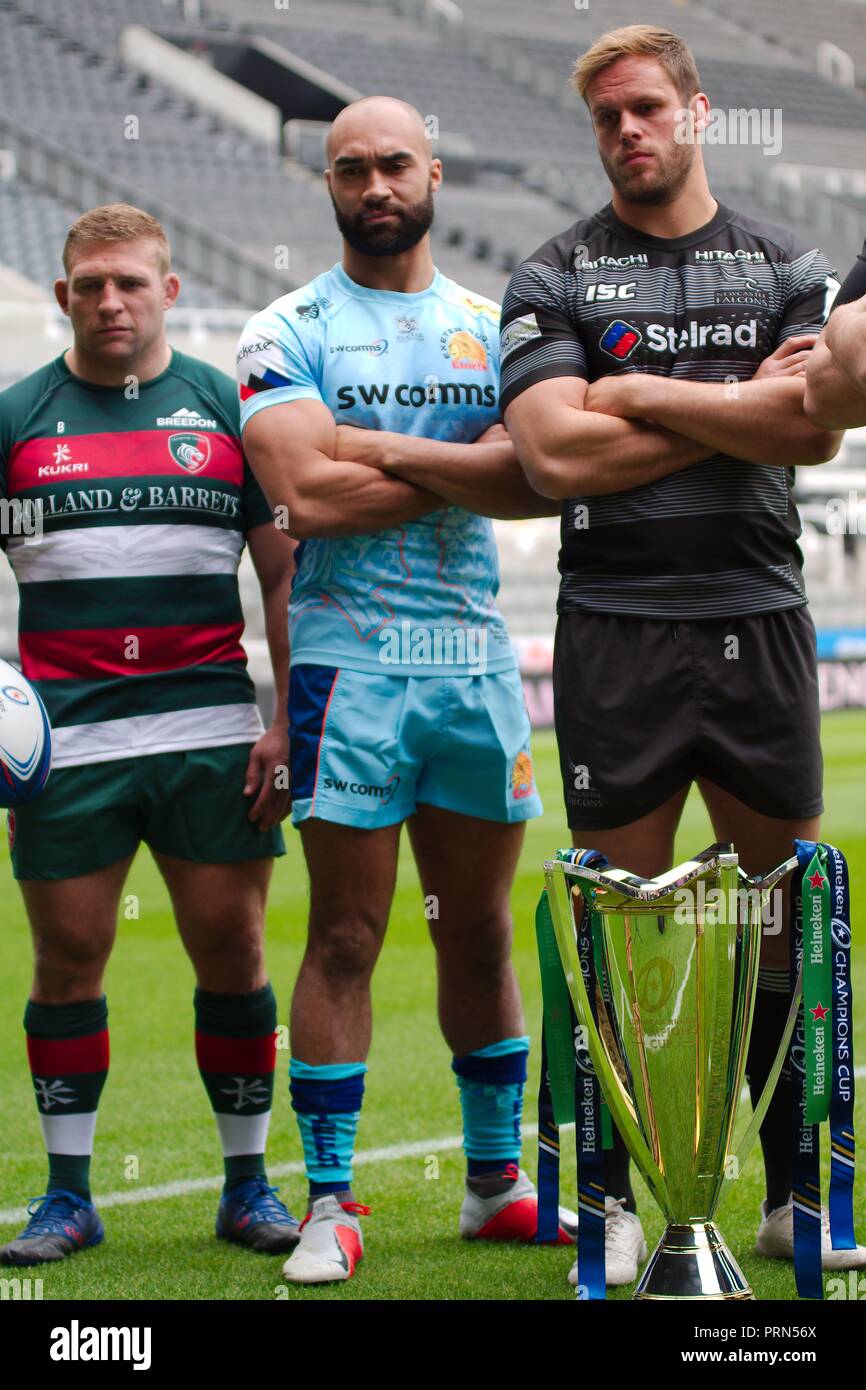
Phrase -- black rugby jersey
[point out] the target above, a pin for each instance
(854, 284)
(720, 537)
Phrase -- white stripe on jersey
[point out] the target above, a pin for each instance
(126, 552)
(175, 731)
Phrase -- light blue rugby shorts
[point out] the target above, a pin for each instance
(367, 749)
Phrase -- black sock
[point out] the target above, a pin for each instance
(342, 1193)
(616, 1171)
(771, 1011)
(491, 1183)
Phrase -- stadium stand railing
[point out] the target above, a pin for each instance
(45, 164)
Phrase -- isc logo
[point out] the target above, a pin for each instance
(605, 291)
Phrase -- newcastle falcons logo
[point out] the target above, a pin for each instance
(743, 289)
(190, 451)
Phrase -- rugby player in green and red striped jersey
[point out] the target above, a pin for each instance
(130, 628)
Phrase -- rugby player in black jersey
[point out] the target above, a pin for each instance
(653, 382)
(836, 376)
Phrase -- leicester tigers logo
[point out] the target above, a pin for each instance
(190, 451)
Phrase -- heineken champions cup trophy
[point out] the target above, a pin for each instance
(662, 974)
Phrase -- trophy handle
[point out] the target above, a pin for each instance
(744, 1148)
(762, 884)
(615, 1094)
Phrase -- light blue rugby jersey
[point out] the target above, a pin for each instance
(423, 364)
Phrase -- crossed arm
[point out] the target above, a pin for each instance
(342, 481)
(836, 374)
(577, 439)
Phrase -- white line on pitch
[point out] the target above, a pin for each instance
(392, 1154)
(132, 1196)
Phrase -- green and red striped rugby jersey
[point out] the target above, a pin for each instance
(137, 501)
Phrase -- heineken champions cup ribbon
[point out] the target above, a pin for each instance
(649, 991)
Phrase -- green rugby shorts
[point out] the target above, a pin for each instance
(187, 804)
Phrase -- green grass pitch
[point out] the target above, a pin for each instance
(155, 1125)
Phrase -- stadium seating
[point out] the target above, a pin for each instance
(806, 26)
(707, 31)
(61, 64)
(33, 225)
(499, 81)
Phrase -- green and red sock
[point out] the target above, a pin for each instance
(67, 1045)
(235, 1045)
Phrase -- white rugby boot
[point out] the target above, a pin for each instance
(331, 1244)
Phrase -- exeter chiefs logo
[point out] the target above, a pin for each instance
(190, 451)
(464, 350)
(521, 776)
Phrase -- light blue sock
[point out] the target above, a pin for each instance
(491, 1083)
(327, 1103)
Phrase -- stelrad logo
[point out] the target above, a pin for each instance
(620, 339)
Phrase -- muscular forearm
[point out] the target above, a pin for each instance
(590, 455)
(835, 398)
(292, 450)
(832, 401)
(844, 337)
(483, 478)
(350, 499)
(761, 421)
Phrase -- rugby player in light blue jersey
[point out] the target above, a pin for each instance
(369, 413)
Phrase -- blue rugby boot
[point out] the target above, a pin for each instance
(60, 1223)
(251, 1215)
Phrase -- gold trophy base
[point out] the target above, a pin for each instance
(691, 1262)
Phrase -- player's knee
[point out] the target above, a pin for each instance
(346, 949)
(70, 961)
(481, 946)
(232, 955)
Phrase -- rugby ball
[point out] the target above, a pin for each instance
(25, 739)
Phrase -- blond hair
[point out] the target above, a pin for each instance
(640, 41)
(116, 222)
